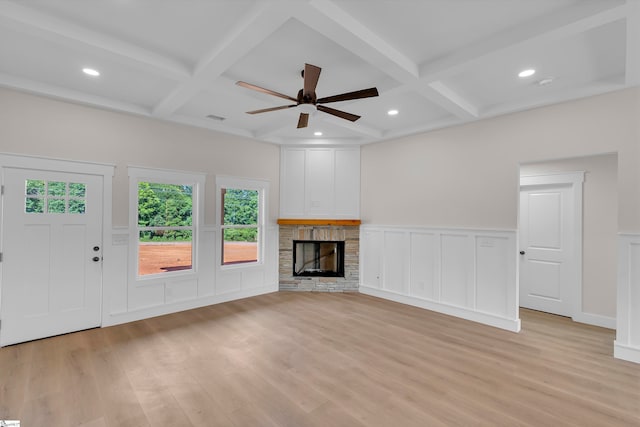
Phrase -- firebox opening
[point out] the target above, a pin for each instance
(318, 258)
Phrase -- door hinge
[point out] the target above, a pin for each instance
(0, 256)
(1, 190)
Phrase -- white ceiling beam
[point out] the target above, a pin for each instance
(556, 98)
(69, 34)
(427, 127)
(633, 45)
(260, 22)
(558, 26)
(349, 125)
(328, 19)
(209, 124)
(443, 96)
(68, 95)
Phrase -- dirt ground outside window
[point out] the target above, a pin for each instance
(163, 257)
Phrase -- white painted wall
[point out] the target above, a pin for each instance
(467, 176)
(36, 126)
(600, 228)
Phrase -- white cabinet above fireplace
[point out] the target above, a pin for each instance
(320, 182)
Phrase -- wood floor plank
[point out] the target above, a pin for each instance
(313, 359)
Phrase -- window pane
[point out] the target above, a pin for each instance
(76, 189)
(57, 188)
(161, 205)
(34, 187)
(240, 207)
(56, 206)
(240, 245)
(34, 205)
(77, 206)
(157, 253)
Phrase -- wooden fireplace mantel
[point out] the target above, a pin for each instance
(334, 222)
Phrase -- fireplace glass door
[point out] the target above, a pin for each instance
(318, 258)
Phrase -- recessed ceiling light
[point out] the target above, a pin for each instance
(527, 73)
(545, 81)
(392, 112)
(318, 133)
(91, 72)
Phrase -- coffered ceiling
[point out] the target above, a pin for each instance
(437, 62)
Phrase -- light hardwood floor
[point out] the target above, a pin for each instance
(303, 359)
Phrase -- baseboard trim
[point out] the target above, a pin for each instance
(145, 313)
(512, 325)
(625, 352)
(596, 320)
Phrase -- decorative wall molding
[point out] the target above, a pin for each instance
(627, 343)
(467, 273)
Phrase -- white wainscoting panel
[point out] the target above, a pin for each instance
(456, 267)
(127, 299)
(393, 262)
(370, 258)
(470, 274)
(493, 275)
(627, 343)
(424, 270)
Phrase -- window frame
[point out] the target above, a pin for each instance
(162, 176)
(236, 183)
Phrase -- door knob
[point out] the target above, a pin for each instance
(96, 258)
(521, 252)
(96, 248)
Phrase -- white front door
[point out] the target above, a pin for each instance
(549, 254)
(52, 254)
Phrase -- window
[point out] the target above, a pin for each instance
(165, 221)
(241, 220)
(54, 197)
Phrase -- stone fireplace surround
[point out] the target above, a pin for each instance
(320, 230)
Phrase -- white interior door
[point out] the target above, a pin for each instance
(52, 253)
(549, 255)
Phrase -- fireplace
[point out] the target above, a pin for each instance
(331, 258)
(318, 258)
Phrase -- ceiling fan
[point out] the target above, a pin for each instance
(308, 100)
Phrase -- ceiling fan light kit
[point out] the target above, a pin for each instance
(307, 100)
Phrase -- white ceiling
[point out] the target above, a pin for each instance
(439, 62)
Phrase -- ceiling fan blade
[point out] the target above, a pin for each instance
(364, 93)
(303, 121)
(267, 91)
(338, 113)
(265, 110)
(311, 76)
